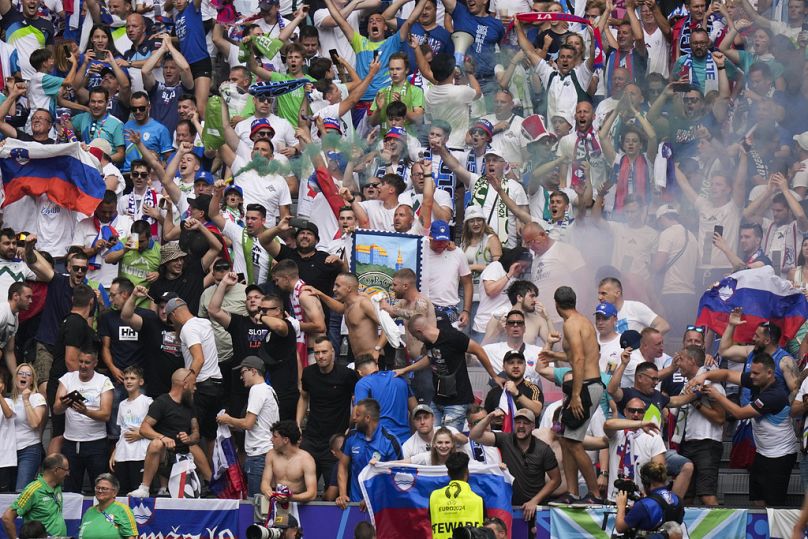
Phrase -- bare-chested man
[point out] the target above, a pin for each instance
(289, 465)
(523, 296)
(581, 395)
(409, 302)
(360, 314)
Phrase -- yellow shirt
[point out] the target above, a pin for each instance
(452, 507)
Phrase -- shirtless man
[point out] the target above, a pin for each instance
(523, 296)
(360, 315)
(289, 465)
(581, 347)
(409, 302)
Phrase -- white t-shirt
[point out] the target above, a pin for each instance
(634, 315)
(8, 440)
(259, 256)
(489, 305)
(511, 142)
(379, 217)
(561, 94)
(26, 436)
(271, 191)
(609, 354)
(331, 111)
(728, 216)
(632, 248)
(642, 448)
(13, 271)
(131, 414)
(85, 235)
(54, 226)
(443, 272)
(496, 352)
(9, 322)
(451, 103)
(517, 194)
(415, 444)
(334, 37)
(200, 331)
(699, 427)
(284, 132)
(659, 53)
(441, 198)
(424, 459)
(263, 403)
(680, 275)
(79, 427)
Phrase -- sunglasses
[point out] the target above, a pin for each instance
(139, 175)
(79, 269)
(139, 109)
(654, 379)
(263, 99)
(481, 132)
(223, 267)
(635, 410)
(372, 185)
(265, 134)
(265, 310)
(698, 329)
(515, 323)
(691, 99)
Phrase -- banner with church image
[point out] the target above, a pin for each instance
(377, 255)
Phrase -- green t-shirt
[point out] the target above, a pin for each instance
(412, 96)
(117, 521)
(135, 265)
(38, 501)
(289, 103)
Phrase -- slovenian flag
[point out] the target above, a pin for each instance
(506, 405)
(397, 496)
(762, 295)
(228, 479)
(69, 175)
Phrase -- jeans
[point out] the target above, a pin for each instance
(28, 461)
(254, 470)
(91, 456)
(452, 415)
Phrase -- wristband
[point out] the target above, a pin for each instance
(192, 370)
(722, 67)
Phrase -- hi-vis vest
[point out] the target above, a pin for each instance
(454, 507)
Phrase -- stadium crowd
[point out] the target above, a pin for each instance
(578, 173)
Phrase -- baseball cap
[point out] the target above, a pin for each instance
(439, 231)
(235, 188)
(630, 339)
(165, 296)
(514, 354)
(495, 152)
(485, 125)
(173, 304)
(258, 124)
(252, 362)
(802, 140)
(606, 309)
(265, 4)
(100, 146)
(204, 176)
(396, 132)
(311, 227)
(666, 209)
(201, 202)
(527, 414)
(421, 408)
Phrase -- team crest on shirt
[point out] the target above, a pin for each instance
(146, 136)
(404, 478)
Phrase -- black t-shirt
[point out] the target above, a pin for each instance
(282, 374)
(162, 354)
(25, 137)
(74, 331)
(313, 270)
(329, 400)
(125, 344)
(246, 335)
(189, 286)
(58, 304)
(770, 400)
(172, 418)
(657, 398)
(527, 468)
(447, 356)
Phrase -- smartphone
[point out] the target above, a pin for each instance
(66, 48)
(101, 53)
(334, 55)
(718, 229)
(375, 55)
(113, 240)
(74, 396)
(426, 155)
(681, 87)
(297, 222)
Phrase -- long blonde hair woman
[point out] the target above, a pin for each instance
(481, 245)
(29, 410)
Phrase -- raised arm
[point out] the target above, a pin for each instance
(153, 61)
(522, 212)
(358, 91)
(404, 31)
(344, 25)
(43, 271)
(128, 315)
(480, 432)
(215, 306)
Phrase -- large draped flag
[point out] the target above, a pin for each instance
(66, 173)
(762, 295)
(397, 495)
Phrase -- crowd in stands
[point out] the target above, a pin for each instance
(578, 177)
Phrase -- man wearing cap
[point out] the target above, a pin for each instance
(423, 422)
(525, 393)
(100, 235)
(178, 275)
(262, 413)
(675, 264)
(608, 338)
(483, 193)
(527, 458)
(446, 268)
(161, 347)
(284, 132)
(202, 361)
(98, 123)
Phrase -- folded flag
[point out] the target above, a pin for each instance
(228, 480)
(66, 173)
(397, 496)
(762, 295)
(507, 406)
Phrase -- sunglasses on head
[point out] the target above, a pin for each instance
(698, 329)
(139, 109)
(79, 269)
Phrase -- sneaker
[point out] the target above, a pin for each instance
(141, 492)
(591, 499)
(564, 500)
(163, 493)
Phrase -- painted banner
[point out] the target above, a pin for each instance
(377, 255)
(598, 523)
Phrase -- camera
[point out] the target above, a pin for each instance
(256, 531)
(628, 486)
(472, 532)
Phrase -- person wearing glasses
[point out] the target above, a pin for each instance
(154, 135)
(261, 413)
(284, 133)
(108, 518)
(41, 500)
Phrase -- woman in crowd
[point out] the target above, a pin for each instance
(29, 416)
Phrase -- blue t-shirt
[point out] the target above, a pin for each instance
(647, 514)
(191, 33)
(487, 32)
(780, 353)
(164, 100)
(155, 137)
(392, 392)
(364, 48)
(439, 40)
(383, 447)
(108, 128)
